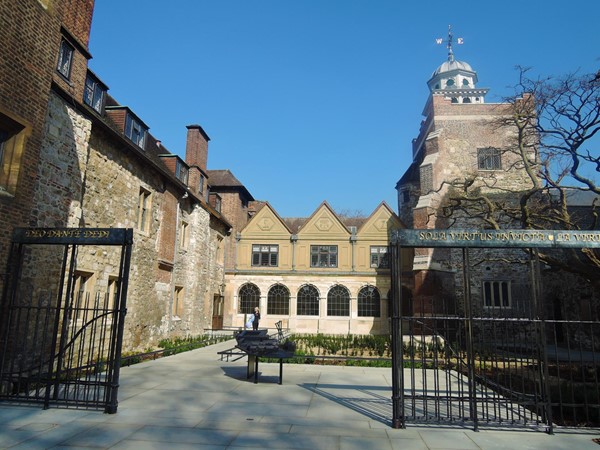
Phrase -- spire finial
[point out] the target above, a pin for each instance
(449, 43)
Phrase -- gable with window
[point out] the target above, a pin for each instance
(135, 130)
(489, 159)
(323, 256)
(265, 255)
(94, 93)
(65, 59)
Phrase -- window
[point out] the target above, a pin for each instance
(265, 255)
(144, 210)
(112, 292)
(135, 131)
(406, 196)
(184, 235)
(93, 94)
(307, 303)
(489, 159)
(278, 300)
(181, 172)
(379, 257)
(323, 256)
(369, 302)
(81, 295)
(65, 59)
(249, 297)
(177, 308)
(496, 294)
(338, 301)
(12, 142)
(450, 83)
(201, 185)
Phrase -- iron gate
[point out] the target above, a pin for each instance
(515, 364)
(63, 310)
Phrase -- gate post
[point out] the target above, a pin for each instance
(397, 369)
(534, 263)
(469, 337)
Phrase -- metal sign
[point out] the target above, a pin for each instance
(73, 236)
(497, 238)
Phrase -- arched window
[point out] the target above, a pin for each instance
(338, 301)
(307, 301)
(450, 82)
(249, 297)
(278, 300)
(454, 100)
(466, 100)
(369, 302)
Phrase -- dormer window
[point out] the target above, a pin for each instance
(135, 131)
(94, 93)
(181, 172)
(65, 59)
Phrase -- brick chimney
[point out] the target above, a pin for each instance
(196, 155)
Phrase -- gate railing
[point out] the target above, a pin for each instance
(61, 347)
(510, 365)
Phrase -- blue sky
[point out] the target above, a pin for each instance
(312, 100)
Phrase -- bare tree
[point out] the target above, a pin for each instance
(555, 149)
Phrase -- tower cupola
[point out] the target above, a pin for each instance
(456, 79)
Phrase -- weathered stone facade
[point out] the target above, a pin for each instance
(77, 167)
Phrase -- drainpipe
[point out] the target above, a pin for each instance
(294, 239)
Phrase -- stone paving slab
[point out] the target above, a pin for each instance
(195, 400)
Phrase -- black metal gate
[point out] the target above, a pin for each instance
(61, 327)
(514, 364)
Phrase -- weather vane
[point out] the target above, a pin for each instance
(449, 43)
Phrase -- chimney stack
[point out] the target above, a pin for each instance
(196, 156)
(196, 148)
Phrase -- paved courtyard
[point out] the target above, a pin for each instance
(195, 400)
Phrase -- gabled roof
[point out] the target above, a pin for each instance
(220, 180)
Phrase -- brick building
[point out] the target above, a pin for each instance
(73, 156)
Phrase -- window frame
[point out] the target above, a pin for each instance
(144, 210)
(369, 302)
(338, 301)
(181, 171)
(66, 54)
(489, 158)
(321, 256)
(259, 255)
(178, 300)
(184, 235)
(247, 301)
(135, 130)
(13, 135)
(278, 300)
(383, 260)
(496, 294)
(307, 303)
(92, 89)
